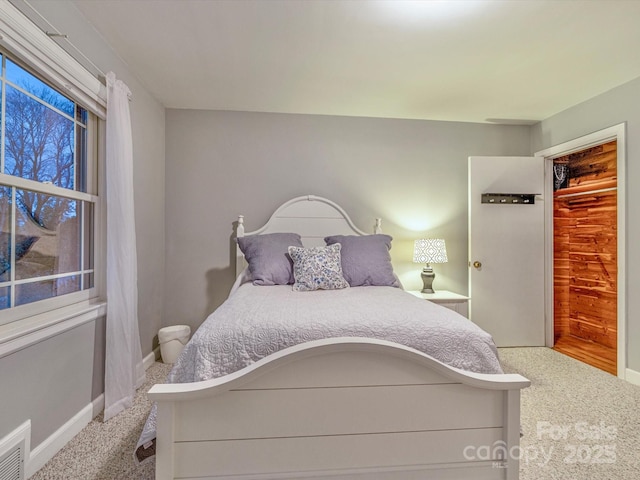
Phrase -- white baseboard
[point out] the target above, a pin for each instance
(151, 358)
(632, 376)
(54, 443)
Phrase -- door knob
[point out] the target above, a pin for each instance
(477, 264)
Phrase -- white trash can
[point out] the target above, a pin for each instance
(172, 340)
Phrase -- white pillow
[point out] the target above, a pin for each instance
(317, 268)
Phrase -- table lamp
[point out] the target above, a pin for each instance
(427, 251)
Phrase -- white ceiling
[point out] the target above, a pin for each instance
(462, 60)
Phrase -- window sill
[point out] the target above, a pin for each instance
(21, 334)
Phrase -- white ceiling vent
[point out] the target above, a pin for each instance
(13, 453)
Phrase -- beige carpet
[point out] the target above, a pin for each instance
(104, 451)
(578, 423)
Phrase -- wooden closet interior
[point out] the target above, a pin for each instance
(585, 256)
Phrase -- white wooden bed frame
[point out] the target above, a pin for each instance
(340, 408)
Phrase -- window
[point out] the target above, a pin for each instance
(47, 195)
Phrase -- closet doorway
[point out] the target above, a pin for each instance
(585, 255)
(615, 133)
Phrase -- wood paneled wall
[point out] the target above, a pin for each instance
(585, 248)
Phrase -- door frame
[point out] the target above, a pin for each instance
(616, 132)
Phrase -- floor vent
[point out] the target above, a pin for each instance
(13, 453)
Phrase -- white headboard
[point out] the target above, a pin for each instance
(313, 218)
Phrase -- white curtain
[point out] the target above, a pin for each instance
(124, 371)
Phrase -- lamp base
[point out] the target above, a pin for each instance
(427, 279)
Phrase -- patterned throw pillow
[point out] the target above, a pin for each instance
(317, 268)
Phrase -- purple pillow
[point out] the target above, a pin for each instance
(268, 257)
(366, 260)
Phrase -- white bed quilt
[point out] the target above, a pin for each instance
(256, 321)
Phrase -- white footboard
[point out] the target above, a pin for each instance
(341, 408)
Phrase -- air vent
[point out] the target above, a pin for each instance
(13, 453)
(12, 464)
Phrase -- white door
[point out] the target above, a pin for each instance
(506, 248)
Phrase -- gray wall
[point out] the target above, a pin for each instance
(411, 173)
(619, 105)
(51, 381)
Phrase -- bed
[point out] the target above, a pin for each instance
(365, 381)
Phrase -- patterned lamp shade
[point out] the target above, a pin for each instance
(430, 250)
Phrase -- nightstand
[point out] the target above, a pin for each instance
(454, 301)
